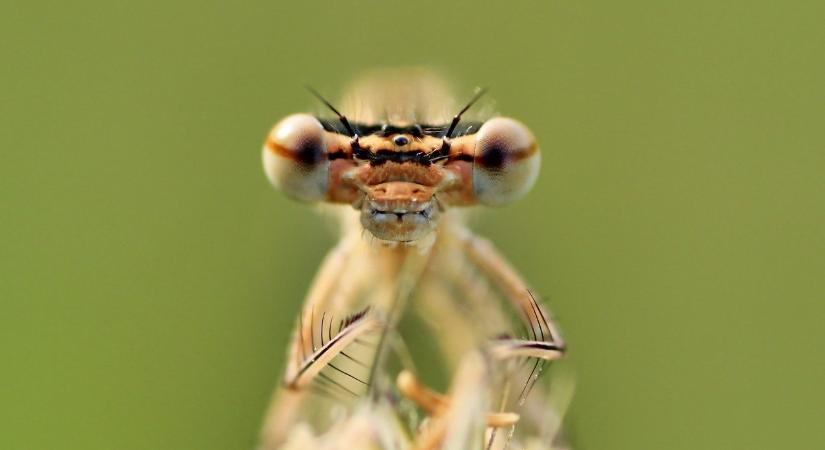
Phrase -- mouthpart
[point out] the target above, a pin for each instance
(400, 223)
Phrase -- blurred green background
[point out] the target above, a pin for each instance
(149, 275)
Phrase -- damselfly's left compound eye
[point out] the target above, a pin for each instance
(295, 157)
(506, 161)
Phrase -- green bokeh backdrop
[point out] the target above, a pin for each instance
(149, 276)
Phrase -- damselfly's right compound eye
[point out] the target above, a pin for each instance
(295, 157)
(506, 161)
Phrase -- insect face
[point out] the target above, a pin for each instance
(401, 177)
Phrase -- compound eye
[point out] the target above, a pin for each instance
(295, 157)
(506, 161)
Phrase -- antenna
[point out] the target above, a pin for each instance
(457, 117)
(341, 117)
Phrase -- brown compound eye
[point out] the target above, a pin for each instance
(506, 161)
(295, 157)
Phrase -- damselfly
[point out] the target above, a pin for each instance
(398, 164)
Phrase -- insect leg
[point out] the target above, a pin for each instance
(483, 255)
(286, 403)
(543, 343)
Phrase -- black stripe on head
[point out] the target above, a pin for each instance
(383, 156)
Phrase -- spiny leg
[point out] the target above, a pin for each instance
(544, 342)
(484, 256)
(392, 274)
(286, 403)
